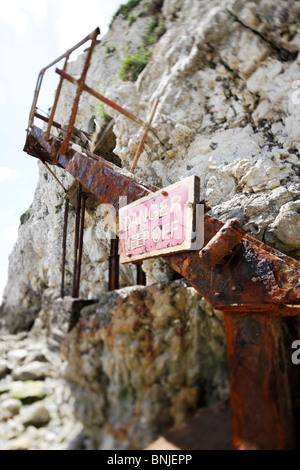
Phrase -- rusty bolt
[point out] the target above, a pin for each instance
(237, 288)
(218, 295)
(256, 280)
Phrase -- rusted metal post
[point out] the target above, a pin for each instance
(80, 87)
(141, 145)
(76, 240)
(259, 386)
(57, 95)
(114, 265)
(83, 201)
(35, 98)
(64, 249)
(140, 275)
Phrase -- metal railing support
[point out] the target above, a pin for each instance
(80, 87)
(64, 249)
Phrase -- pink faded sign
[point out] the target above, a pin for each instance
(159, 223)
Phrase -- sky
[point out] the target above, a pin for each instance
(33, 33)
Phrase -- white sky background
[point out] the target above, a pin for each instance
(32, 34)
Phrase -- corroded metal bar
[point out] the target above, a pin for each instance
(57, 95)
(76, 240)
(45, 119)
(222, 243)
(80, 87)
(114, 265)
(80, 247)
(100, 178)
(35, 98)
(54, 176)
(143, 140)
(64, 249)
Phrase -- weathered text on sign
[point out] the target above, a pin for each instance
(160, 223)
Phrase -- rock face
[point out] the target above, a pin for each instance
(142, 360)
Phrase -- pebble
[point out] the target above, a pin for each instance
(21, 443)
(3, 369)
(32, 371)
(36, 415)
(12, 405)
(16, 356)
(39, 356)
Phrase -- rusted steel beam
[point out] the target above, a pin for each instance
(114, 265)
(76, 242)
(249, 279)
(64, 249)
(259, 383)
(107, 101)
(81, 83)
(36, 146)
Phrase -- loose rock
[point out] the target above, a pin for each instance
(28, 391)
(3, 369)
(33, 371)
(36, 415)
(12, 405)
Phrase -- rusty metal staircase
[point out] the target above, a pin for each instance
(256, 286)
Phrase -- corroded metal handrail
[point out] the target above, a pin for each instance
(81, 86)
(92, 36)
